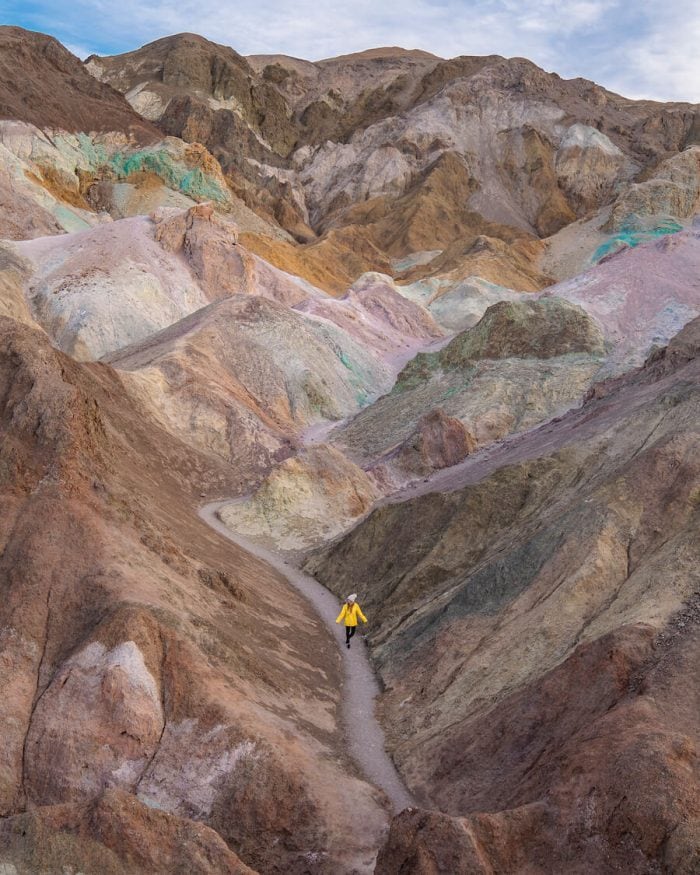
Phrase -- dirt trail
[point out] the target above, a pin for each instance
(364, 735)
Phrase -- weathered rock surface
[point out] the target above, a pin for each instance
(215, 83)
(304, 502)
(514, 265)
(589, 168)
(57, 181)
(97, 291)
(522, 363)
(245, 377)
(209, 242)
(14, 275)
(41, 194)
(499, 188)
(139, 669)
(332, 264)
(114, 834)
(640, 297)
(440, 441)
(207, 93)
(417, 152)
(673, 189)
(168, 704)
(538, 617)
(542, 329)
(42, 83)
(376, 314)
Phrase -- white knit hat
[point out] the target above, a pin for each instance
(352, 597)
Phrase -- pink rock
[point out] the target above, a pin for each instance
(439, 442)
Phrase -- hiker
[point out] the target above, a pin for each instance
(350, 612)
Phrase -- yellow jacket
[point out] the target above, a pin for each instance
(351, 613)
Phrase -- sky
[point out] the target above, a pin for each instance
(642, 49)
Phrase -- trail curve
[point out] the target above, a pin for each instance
(363, 734)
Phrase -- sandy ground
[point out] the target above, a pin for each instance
(364, 735)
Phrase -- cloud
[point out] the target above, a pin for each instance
(645, 49)
(80, 51)
(662, 61)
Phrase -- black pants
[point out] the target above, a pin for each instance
(349, 632)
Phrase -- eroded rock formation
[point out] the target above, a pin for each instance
(125, 629)
(325, 293)
(539, 614)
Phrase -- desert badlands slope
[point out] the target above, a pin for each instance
(426, 330)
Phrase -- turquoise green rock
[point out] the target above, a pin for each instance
(176, 175)
(632, 233)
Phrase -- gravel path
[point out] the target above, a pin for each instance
(363, 734)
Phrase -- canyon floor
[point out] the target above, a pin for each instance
(275, 331)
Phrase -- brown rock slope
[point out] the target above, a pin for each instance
(201, 88)
(160, 712)
(539, 629)
(333, 97)
(42, 83)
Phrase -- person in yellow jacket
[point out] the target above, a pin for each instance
(350, 612)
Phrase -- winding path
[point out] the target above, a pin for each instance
(363, 734)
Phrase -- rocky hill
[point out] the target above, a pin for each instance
(539, 613)
(429, 328)
(139, 718)
(409, 151)
(42, 83)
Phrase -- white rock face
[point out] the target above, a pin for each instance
(585, 137)
(96, 69)
(191, 767)
(457, 304)
(147, 103)
(99, 290)
(96, 726)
